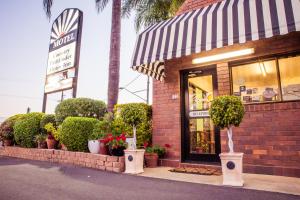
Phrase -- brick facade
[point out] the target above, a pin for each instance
(189, 5)
(96, 161)
(269, 134)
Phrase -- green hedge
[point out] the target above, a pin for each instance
(144, 129)
(27, 128)
(75, 131)
(79, 107)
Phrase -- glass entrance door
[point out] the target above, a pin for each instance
(201, 139)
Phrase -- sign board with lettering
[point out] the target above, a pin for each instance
(63, 57)
(199, 113)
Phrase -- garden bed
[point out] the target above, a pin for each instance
(96, 161)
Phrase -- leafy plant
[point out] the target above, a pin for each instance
(6, 127)
(160, 151)
(96, 135)
(6, 131)
(40, 138)
(75, 131)
(143, 129)
(79, 107)
(52, 131)
(27, 128)
(226, 112)
(47, 118)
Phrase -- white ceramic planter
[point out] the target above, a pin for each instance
(134, 161)
(232, 169)
(94, 146)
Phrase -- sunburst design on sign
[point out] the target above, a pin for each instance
(65, 23)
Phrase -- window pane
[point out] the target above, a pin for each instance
(200, 92)
(256, 82)
(290, 77)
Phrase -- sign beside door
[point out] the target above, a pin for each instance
(199, 113)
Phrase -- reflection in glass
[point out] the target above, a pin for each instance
(202, 137)
(201, 129)
(200, 92)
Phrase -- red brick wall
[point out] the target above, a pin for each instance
(97, 161)
(270, 138)
(269, 134)
(189, 5)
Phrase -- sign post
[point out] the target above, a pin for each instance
(64, 52)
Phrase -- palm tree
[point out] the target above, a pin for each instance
(148, 13)
(114, 53)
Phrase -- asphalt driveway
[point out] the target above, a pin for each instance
(24, 179)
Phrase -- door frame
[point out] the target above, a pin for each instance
(186, 156)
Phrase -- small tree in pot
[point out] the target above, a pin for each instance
(132, 114)
(227, 112)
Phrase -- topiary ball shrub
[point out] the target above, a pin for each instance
(46, 119)
(79, 107)
(226, 112)
(27, 128)
(74, 132)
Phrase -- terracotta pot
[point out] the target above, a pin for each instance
(7, 143)
(116, 152)
(103, 147)
(151, 159)
(51, 143)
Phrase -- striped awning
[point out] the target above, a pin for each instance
(221, 24)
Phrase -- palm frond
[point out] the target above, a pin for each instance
(101, 4)
(47, 4)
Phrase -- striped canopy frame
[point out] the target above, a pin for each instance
(218, 25)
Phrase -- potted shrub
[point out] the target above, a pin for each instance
(6, 133)
(41, 141)
(116, 144)
(52, 137)
(101, 129)
(151, 158)
(132, 114)
(227, 112)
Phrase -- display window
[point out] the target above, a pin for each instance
(290, 78)
(271, 80)
(256, 82)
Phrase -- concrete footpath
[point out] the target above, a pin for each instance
(282, 184)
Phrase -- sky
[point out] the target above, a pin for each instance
(24, 40)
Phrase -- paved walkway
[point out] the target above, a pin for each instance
(24, 179)
(281, 184)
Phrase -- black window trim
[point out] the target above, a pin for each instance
(276, 57)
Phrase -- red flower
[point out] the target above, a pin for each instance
(167, 146)
(146, 144)
(118, 138)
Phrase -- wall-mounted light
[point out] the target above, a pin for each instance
(223, 56)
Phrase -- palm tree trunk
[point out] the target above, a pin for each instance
(114, 56)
